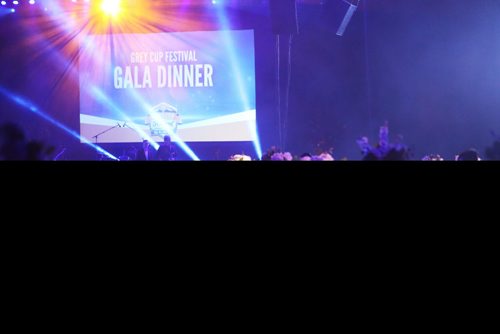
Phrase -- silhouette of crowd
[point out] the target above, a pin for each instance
(15, 146)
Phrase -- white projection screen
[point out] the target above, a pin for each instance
(193, 86)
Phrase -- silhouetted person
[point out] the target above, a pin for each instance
(165, 151)
(469, 155)
(12, 142)
(493, 152)
(146, 152)
(14, 146)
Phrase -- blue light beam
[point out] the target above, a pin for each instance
(34, 109)
(224, 22)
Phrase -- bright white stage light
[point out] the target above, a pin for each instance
(111, 7)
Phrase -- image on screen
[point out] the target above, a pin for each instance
(192, 86)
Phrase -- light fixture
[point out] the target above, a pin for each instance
(111, 7)
(347, 18)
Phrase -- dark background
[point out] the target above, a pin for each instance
(431, 69)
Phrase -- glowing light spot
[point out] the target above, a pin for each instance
(111, 7)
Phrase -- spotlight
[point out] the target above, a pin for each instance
(15, 2)
(3, 3)
(32, 2)
(111, 7)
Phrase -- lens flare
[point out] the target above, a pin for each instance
(111, 7)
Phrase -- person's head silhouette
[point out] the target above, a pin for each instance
(468, 155)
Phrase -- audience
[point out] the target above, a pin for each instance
(493, 152)
(15, 146)
(468, 155)
(432, 157)
(384, 150)
(305, 157)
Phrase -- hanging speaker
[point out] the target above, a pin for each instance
(284, 17)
